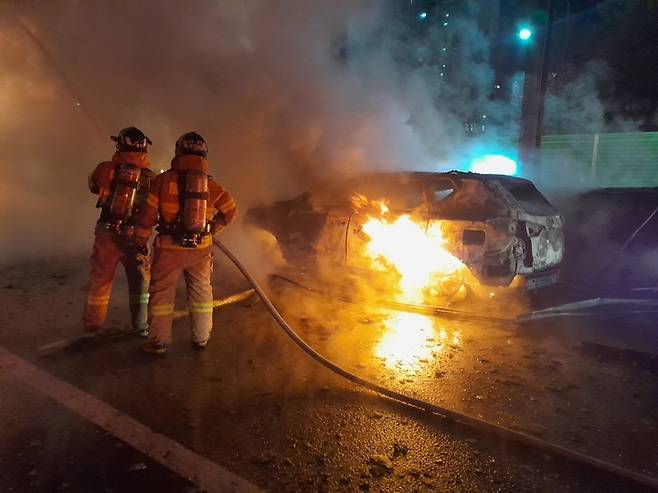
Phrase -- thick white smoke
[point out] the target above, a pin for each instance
(287, 93)
(262, 81)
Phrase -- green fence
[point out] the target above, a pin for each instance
(603, 160)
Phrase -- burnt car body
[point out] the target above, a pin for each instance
(500, 227)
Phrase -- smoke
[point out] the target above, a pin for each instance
(287, 94)
(575, 106)
(262, 81)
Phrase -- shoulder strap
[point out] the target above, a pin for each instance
(144, 181)
(105, 205)
(181, 195)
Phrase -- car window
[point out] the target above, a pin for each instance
(440, 190)
(400, 194)
(462, 199)
(531, 199)
(331, 196)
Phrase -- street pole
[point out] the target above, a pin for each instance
(534, 89)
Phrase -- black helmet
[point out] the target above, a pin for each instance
(191, 143)
(132, 139)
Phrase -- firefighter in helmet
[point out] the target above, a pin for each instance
(188, 207)
(122, 186)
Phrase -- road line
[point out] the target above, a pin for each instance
(207, 475)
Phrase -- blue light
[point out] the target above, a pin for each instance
(525, 34)
(422, 15)
(495, 164)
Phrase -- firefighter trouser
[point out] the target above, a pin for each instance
(108, 251)
(196, 266)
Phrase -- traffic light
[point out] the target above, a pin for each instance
(496, 164)
(525, 33)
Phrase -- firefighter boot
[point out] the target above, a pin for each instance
(153, 347)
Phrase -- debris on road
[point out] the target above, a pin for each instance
(382, 461)
(138, 466)
(263, 459)
(399, 450)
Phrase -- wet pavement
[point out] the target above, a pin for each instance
(46, 447)
(255, 404)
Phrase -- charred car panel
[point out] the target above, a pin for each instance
(500, 227)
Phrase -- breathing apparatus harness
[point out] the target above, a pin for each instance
(127, 181)
(190, 226)
(118, 208)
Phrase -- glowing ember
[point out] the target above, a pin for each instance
(426, 269)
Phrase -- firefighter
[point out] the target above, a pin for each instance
(188, 207)
(122, 186)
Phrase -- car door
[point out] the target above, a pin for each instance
(401, 194)
(291, 222)
(309, 227)
(472, 227)
(332, 207)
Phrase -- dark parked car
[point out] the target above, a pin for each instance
(499, 226)
(613, 238)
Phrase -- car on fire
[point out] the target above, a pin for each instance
(502, 228)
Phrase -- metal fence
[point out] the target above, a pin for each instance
(627, 159)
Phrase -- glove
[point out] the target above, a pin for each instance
(218, 223)
(138, 251)
(142, 250)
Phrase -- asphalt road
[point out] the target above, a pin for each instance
(254, 404)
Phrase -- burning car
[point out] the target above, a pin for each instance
(433, 231)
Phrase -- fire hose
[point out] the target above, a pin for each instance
(465, 419)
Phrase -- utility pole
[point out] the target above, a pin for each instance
(489, 17)
(534, 87)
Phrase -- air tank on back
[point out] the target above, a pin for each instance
(196, 202)
(126, 182)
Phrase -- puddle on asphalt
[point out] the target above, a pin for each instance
(409, 342)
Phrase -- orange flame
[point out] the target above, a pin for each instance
(427, 270)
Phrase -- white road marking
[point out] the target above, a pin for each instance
(207, 475)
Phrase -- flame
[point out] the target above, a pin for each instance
(425, 272)
(417, 253)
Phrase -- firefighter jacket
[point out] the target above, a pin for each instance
(100, 180)
(163, 204)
